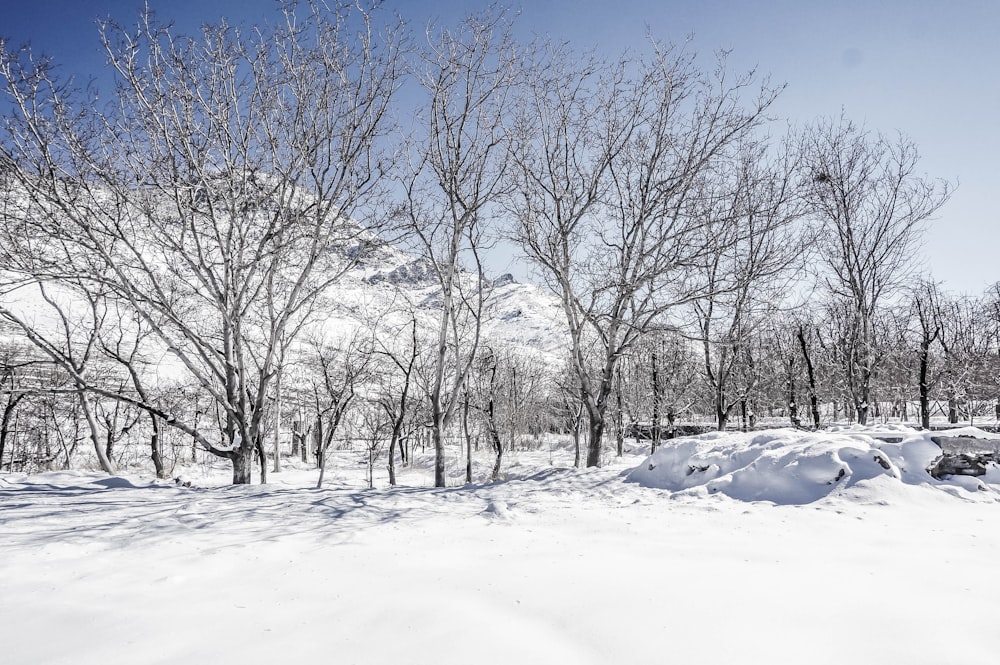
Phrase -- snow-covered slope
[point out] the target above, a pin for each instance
(388, 284)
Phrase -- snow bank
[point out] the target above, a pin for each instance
(792, 467)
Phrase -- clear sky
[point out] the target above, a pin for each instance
(928, 68)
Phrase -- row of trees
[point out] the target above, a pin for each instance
(939, 357)
(203, 219)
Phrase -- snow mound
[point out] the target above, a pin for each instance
(497, 510)
(969, 432)
(792, 467)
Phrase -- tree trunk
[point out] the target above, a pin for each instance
(811, 374)
(194, 440)
(793, 407)
(393, 442)
(438, 435)
(497, 448)
(277, 423)
(242, 459)
(721, 413)
(925, 401)
(154, 448)
(594, 447)
(576, 438)
(109, 441)
(261, 457)
(318, 442)
(323, 449)
(619, 417)
(8, 412)
(322, 468)
(88, 413)
(862, 413)
(468, 439)
(655, 432)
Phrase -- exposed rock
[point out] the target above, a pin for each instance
(962, 464)
(418, 272)
(504, 280)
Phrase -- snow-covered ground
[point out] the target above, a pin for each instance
(763, 553)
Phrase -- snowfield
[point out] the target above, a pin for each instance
(763, 553)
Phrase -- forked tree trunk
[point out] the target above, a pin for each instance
(88, 413)
(721, 413)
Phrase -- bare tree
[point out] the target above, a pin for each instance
(607, 168)
(343, 369)
(661, 374)
(397, 388)
(122, 341)
(568, 407)
(70, 340)
(500, 386)
(805, 334)
(214, 195)
(23, 374)
(374, 429)
(969, 343)
(871, 204)
(458, 159)
(925, 305)
(750, 210)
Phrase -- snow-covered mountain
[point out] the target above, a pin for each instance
(388, 283)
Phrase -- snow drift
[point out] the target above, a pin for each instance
(793, 467)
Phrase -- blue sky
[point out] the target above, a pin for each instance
(930, 69)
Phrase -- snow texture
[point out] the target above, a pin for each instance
(781, 563)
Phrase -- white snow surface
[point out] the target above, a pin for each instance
(764, 557)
